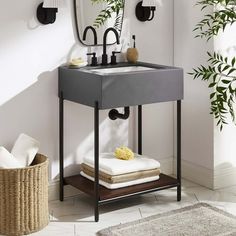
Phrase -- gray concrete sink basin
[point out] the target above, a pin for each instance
(122, 69)
(121, 85)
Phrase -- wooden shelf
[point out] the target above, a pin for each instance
(106, 194)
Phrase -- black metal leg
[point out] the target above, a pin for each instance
(96, 161)
(140, 149)
(179, 149)
(61, 144)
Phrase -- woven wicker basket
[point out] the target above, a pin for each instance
(24, 198)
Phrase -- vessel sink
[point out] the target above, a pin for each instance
(121, 85)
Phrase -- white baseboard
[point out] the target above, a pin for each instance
(197, 174)
(224, 176)
(167, 165)
(53, 190)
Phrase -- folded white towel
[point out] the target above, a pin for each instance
(25, 149)
(124, 184)
(7, 160)
(113, 166)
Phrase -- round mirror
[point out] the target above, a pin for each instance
(97, 15)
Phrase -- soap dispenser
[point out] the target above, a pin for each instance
(132, 53)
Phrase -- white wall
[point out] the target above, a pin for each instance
(197, 123)
(208, 154)
(155, 44)
(224, 148)
(29, 56)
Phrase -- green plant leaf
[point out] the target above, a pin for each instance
(215, 22)
(218, 73)
(113, 7)
(226, 81)
(212, 85)
(233, 62)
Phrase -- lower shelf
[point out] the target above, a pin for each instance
(87, 186)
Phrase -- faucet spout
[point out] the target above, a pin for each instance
(94, 34)
(104, 56)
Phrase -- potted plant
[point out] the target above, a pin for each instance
(220, 73)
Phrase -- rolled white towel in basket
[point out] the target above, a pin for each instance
(25, 149)
(7, 160)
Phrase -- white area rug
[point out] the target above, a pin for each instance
(197, 220)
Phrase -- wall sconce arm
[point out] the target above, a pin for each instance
(153, 9)
(145, 13)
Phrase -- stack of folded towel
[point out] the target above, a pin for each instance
(21, 155)
(116, 173)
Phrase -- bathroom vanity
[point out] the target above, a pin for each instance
(109, 87)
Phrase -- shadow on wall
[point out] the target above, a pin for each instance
(79, 139)
(35, 112)
(33, 23)
(27, 110)
(26, 51)
(25, 10)
(30, 102)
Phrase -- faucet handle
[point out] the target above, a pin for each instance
(113, 58)
(94, 61)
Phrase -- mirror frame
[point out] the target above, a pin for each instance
(77, 27)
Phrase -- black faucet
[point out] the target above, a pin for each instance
(94, 34)
(104, 56)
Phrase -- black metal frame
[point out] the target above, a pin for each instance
(96, 161)
(179, 149)
(140, 131)
(97, 201)
(61, 144)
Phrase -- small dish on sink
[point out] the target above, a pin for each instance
(77, 63)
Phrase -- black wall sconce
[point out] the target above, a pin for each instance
(145, 10)
(47, 10)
